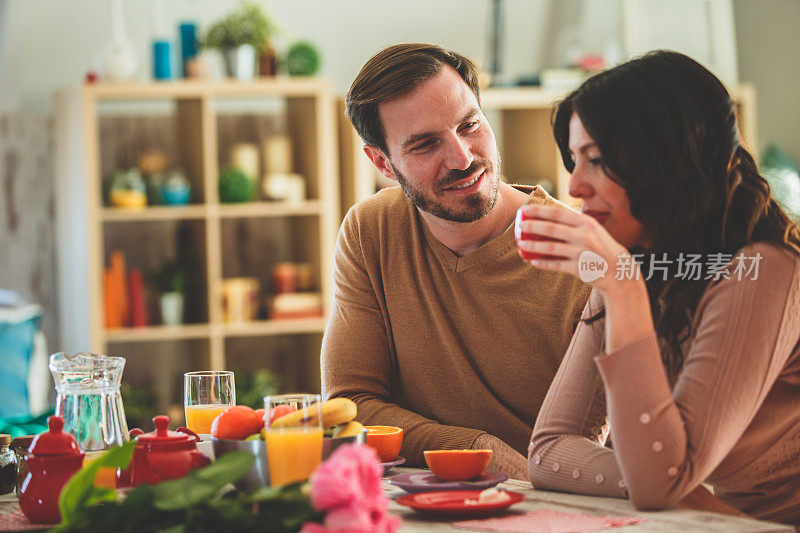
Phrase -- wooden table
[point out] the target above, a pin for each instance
(674, 520)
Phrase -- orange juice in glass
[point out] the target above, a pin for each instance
(294, 442)
(106, 475)
(200, 417)
(206, 394)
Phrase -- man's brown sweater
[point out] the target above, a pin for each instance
(446, 347)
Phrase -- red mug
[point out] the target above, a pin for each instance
(519, 235)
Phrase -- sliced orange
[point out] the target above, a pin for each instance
(386, 440)
(457, 465)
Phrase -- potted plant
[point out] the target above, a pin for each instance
(170, 281)
(239, 35)
(235, 185)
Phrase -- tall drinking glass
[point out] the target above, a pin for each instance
(294, 442)
(205, 395)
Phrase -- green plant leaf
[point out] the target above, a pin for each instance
(282, 492)
(248, 24)
(80, 491)
(201, 484)
(179, 528)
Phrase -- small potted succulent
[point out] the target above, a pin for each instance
(239, 35)
(170, 282)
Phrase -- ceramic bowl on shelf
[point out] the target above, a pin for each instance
(258, 475)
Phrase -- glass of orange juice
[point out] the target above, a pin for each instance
(294, 442)
(205, 395)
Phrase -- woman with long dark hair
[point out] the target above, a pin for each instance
(689, 347)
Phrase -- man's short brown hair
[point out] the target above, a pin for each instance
(393, 72)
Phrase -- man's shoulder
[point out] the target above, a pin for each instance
(388, 204)
(537, 195)
(386, 216)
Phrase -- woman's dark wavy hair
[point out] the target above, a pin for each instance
(667, 131)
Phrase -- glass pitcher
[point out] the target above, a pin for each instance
(88, 398)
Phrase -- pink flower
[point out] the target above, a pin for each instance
(348, 487)
(387, 524)
(334, 484)
(351, 473)
(354, 519)
(313, 527)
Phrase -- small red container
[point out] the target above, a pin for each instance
(161, 455)
(519, 235)
(53, 458)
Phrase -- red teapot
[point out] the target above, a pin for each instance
(161, 455)
(53, 458)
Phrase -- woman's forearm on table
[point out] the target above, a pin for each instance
(628, 314)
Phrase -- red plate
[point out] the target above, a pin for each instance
(453, 502)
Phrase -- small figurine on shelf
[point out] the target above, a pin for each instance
(235, 186)
(175, 189)
(163, 187)
(152, 161)
(126, 188)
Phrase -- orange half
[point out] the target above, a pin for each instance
(386, 440)
(457, 465)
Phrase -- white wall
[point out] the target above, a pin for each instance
(768, 32)
(50, 44)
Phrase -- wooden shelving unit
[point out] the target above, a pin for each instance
(201, 115)
(520, 118)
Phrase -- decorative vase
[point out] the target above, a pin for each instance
(172, 308)
(175, 189)
(268, 61)
(119, 60)
(188, 33)
(240, 62)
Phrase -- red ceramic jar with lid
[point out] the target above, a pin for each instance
(53, 458)
(162, 455)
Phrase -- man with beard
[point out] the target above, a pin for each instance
(429, 329)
